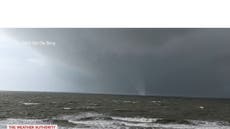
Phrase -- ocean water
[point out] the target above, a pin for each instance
(91, 111)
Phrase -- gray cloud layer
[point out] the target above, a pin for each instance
(181, 62)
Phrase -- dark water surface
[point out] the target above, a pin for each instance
(60, 108)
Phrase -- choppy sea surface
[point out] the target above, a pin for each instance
(93, 111)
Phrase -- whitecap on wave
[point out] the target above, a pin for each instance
(92, 120)
(28, 104)
(101, 121)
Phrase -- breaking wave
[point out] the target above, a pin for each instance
(92, 120)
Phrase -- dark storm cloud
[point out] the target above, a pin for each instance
(188, 62)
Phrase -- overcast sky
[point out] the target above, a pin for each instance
(172, 62)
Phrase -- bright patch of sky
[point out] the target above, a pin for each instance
(23, 68)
